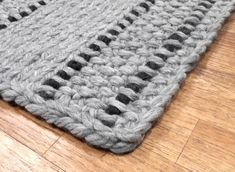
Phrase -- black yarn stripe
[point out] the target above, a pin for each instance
(162, 56)
(74, 65)
(152, 65)
(32, 8)
(94, 47)
(145, 6)
(192, 23)
(45, 95)
(53, 83)
(122, 26)
(113, 32)
(145, 76)
(104, 39)
(135, 87)
(63, 74)
(12, 19)
(152, 1)
(130, 20)
(176, 36)
(171, 47)
(3, 26)
(123, 98)
(135, 13)
(22, 14)
(205, 5)
(41, 2)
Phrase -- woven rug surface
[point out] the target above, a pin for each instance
(103, 70)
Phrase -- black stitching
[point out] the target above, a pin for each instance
(123, 98)
(144, 76)
(74, 64)
(53, 83)
(135, 87)
(45, 95)
(144, 5)
(171, 47)
(41, 2)
(205, 5)
(32, 7)
(12, 19)
(121, 25)
(104, 39)
(24, 14)
(2, 26)
(175, 36)
(195, 15)
(108, 123)
(192, 23)
(135, 13)
(95, 47)
(152, 1)
(185, 30)
(162, 56)
(128, 19)
(85, 56)
(112, 110)
(113, 32)
(211, 1)
(203, 10)
(63, 74)
(152, 65)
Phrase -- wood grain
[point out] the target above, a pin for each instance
(196, 132)
(209, 149)
(73, 155)
(30, 131)
(17, 157)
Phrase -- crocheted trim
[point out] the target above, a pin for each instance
(23, 14)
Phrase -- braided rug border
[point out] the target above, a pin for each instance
(160, 100)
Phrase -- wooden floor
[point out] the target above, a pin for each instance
(196, 133)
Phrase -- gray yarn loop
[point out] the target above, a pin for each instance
(104, 70)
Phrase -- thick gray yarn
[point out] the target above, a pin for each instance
(102, 69)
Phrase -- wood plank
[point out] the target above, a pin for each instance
(209, 148)
(141, 160)
(164, 142)
(221, 137)
(209, 95)
(16, 157)
(71, 154)
(229, 24)
(220, 55)
(173, 119)
(27, 129)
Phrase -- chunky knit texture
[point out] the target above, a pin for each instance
(102, 69)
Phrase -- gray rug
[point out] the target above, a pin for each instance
(102, 69)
